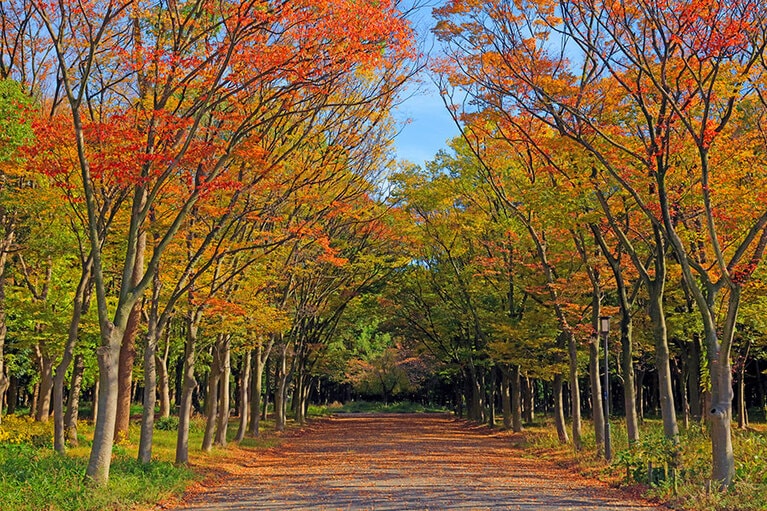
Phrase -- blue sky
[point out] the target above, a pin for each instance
(429, 128)
(426, 124)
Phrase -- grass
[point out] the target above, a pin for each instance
(33, 477)
(374, 407)
(649, 465)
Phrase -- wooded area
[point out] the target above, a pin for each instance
(201, 213)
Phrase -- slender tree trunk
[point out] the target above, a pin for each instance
(597, 412)
(516, 399)
(95, 404)
(559, 410)
(244, 395)
(258, 362)
(13, 394)
(188, 387)
(4, 382)
(742, 410)
(693, 378)
(491, 398)
(211, 399)
(629, 386)
(662, 362)
(281, 390)
(150, 389)
(267, 391)
(128, 350)
(75, 387)
(33, 400)
(575, 393)
(528, 396)
(163, 377)
(43, 403)
(222, 422)
(66, 358)
(505, 398)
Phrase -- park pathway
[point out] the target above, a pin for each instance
(388, 462)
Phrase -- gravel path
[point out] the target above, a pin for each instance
(387, 462)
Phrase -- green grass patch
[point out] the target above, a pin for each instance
(377, 407)
(33, 478)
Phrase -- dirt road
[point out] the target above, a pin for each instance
(387, 462)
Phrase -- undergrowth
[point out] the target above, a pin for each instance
(683, 481)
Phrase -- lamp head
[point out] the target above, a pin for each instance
(604, 324)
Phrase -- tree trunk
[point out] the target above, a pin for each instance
(559, 410)
(128, 350)
(281, 390)
(66, 358)
(150, 395)
(244, 395)
(693, 378)
(597, 412)
(163, 377)
(629, 386)
(222, 422)
(267, 391)
(13, 394)
(211, 399)
(528, 400)
(516, 399)
(108, 355)
(742, 410)
(70, 419)
(662, 362)
(95, 403)
(505, 398)
(43, 403)
(259, 361)
(188, 386)
(4, 383)
(491, 398)
(575, 393)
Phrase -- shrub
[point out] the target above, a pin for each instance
(24, 430)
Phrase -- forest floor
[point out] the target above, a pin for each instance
(393, 461)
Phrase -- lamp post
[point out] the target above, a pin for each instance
(604, 329)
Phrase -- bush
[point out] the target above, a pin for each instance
(24, 430)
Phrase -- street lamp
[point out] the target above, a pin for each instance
(604, 329)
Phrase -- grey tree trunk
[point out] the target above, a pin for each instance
(128, 350)
(528, 400)
(559, 410)
(629, 387)
(516, 399)
(75, 387)
(244, 395)
(742, 410)
(597, 412)
(108, 355)
(222, 421)
(188, 386)
(259, 361)
(505, 398)
(163, 377)
(4, 382)
(59, 432)
(662, 362)
(693, 378)
(211, 400)
(281, 391)
(575, 393)
(43, 404)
